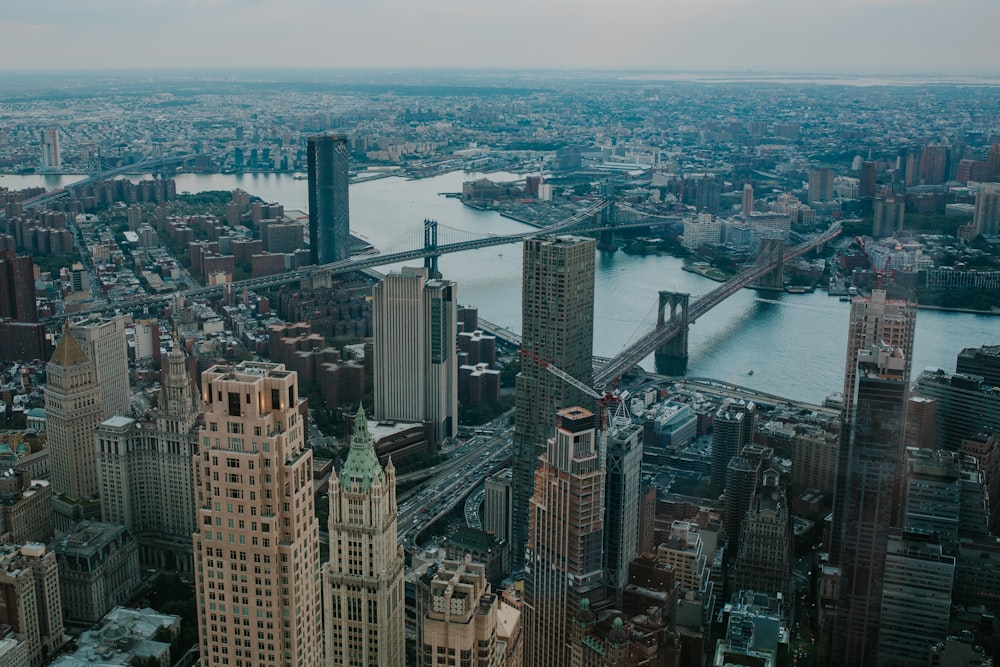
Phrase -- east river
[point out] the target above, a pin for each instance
(794, 344)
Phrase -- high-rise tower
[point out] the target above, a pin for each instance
(72, 412)
(623, 472)
(103, 340)
(869, 496)
(256, 550)
(875, 320)
(145, 469)
(50, 148)
(563, 555)
(363, 582)
(329, 215)
(557, 326)
(416, 360)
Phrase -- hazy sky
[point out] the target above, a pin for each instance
(783, 35)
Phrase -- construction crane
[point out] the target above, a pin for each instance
(604, 400)
(880, 272)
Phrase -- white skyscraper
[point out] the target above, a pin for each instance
(416, 361)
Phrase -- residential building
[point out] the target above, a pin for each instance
(256, 521)
(764, 564)
(416, 381)
(557, 323)
(25, 508)
(329, 212)
(363, 598)
(563, 556)
(732, 429)
(889, 217)
(820, 185)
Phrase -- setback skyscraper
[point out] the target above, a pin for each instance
(363, 582)
(256, 552)
(329, 214)
(557, 323)
(563, 556)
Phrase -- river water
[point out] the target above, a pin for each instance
(795, 344)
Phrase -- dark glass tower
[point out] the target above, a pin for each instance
(329, 214)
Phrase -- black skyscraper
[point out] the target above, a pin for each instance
(329, 214)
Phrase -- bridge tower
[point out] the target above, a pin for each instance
(431, 246)
(672, 357)
(772, 251)
(606, 237)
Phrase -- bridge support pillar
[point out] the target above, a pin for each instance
(772, 251)
(431, 246)
(672, 357)
(606, 237)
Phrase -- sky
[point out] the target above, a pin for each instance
(917, 36)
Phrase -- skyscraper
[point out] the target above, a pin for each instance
(256, 550)
(765, 546)
(72, 412)
(889, 216)
(557, 326)
(866, 186)
(416, 360)
(103, 340)
(732, 429)
(146, 477)
(874, 320)
(563, 555)
(746, 204)
(329, 213)
(820, 185)
(50, 148)
(363, 582)
(460, 626)
(868, 498)
(623, 451)
(17, 288)
(498, 505)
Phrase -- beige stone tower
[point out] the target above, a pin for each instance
(256, 549)
(363, 582)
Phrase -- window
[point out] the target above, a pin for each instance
(234, 404)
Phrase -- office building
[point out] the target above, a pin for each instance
(982, 361)
(415, 355)
(746, 203)
(986, 215)
(764, 564)
(484, 548)
(256, 521)
(889, 216)
(363, 599)
(921, 422)
(460, 626)
(498, 505)
(563, 555)
(934, 164)
(820, 185)
(98, 569)
(916, 600)
(623, 472)
(125, 637)
(103, 341)
(743, 476)
(50, 148)
(30, 600)
(329, 213)
(934, 495)
(986, 450)
(869, 493)
(557, 327)
(72, 412)
(147, 483)
(965, 406)
(866, 183)
(732, 429)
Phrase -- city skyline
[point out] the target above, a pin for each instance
(722, 35)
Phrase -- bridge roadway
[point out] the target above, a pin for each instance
(642, 348)
(357, 263)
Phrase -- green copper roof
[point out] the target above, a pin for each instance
(361, 466)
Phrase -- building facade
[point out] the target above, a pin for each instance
(460, 626)
(103, 341)
(30, 601)
(72, 412)
(623, 472)
(557, 322)
(563, 560)
(147, 483)
(328, 158)
(363, 597)
(256, 550)
(416, 359)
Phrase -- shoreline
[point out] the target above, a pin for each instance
(971, 311)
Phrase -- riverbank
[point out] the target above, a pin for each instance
(971, 311)
(707, 271)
